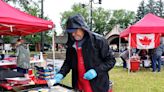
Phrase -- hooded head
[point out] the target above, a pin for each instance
(76, 22)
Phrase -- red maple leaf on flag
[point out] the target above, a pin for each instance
(145, 41)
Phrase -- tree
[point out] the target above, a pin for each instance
(151, 6)
(103, 20)
(76, 8)
(160, 8)
(122, 17)
(100, 20)
(154, 7)
(25, 4)
(100, 16)
(141, 12)
(7, 39)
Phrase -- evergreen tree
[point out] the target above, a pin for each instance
(154, 7)
(141, 11)
(151, 6)
(160, 8)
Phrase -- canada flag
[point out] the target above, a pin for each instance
(145, 41)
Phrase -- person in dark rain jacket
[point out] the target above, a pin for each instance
(89, 57)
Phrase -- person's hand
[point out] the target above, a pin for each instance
(58, 77)
(90, 74)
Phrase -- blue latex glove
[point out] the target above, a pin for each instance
(58, 77)
(90, 74)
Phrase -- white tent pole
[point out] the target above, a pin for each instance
(129, 52)
(119, 45)
(53, 47)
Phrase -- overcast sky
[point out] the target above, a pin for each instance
(53, 8)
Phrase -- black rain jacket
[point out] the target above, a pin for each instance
(96, 54)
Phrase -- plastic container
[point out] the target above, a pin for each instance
(44, 73)
(31, 74)
(134, 65)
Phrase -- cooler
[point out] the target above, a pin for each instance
(134, 65)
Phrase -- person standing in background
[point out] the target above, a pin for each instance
(156, 58)
(23, 57)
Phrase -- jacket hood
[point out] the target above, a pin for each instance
(75, 22)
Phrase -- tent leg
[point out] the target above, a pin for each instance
(129, 53)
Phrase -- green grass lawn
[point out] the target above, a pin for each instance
(141, 81)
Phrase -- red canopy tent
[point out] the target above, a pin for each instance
(14, 22)
(148, 24)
